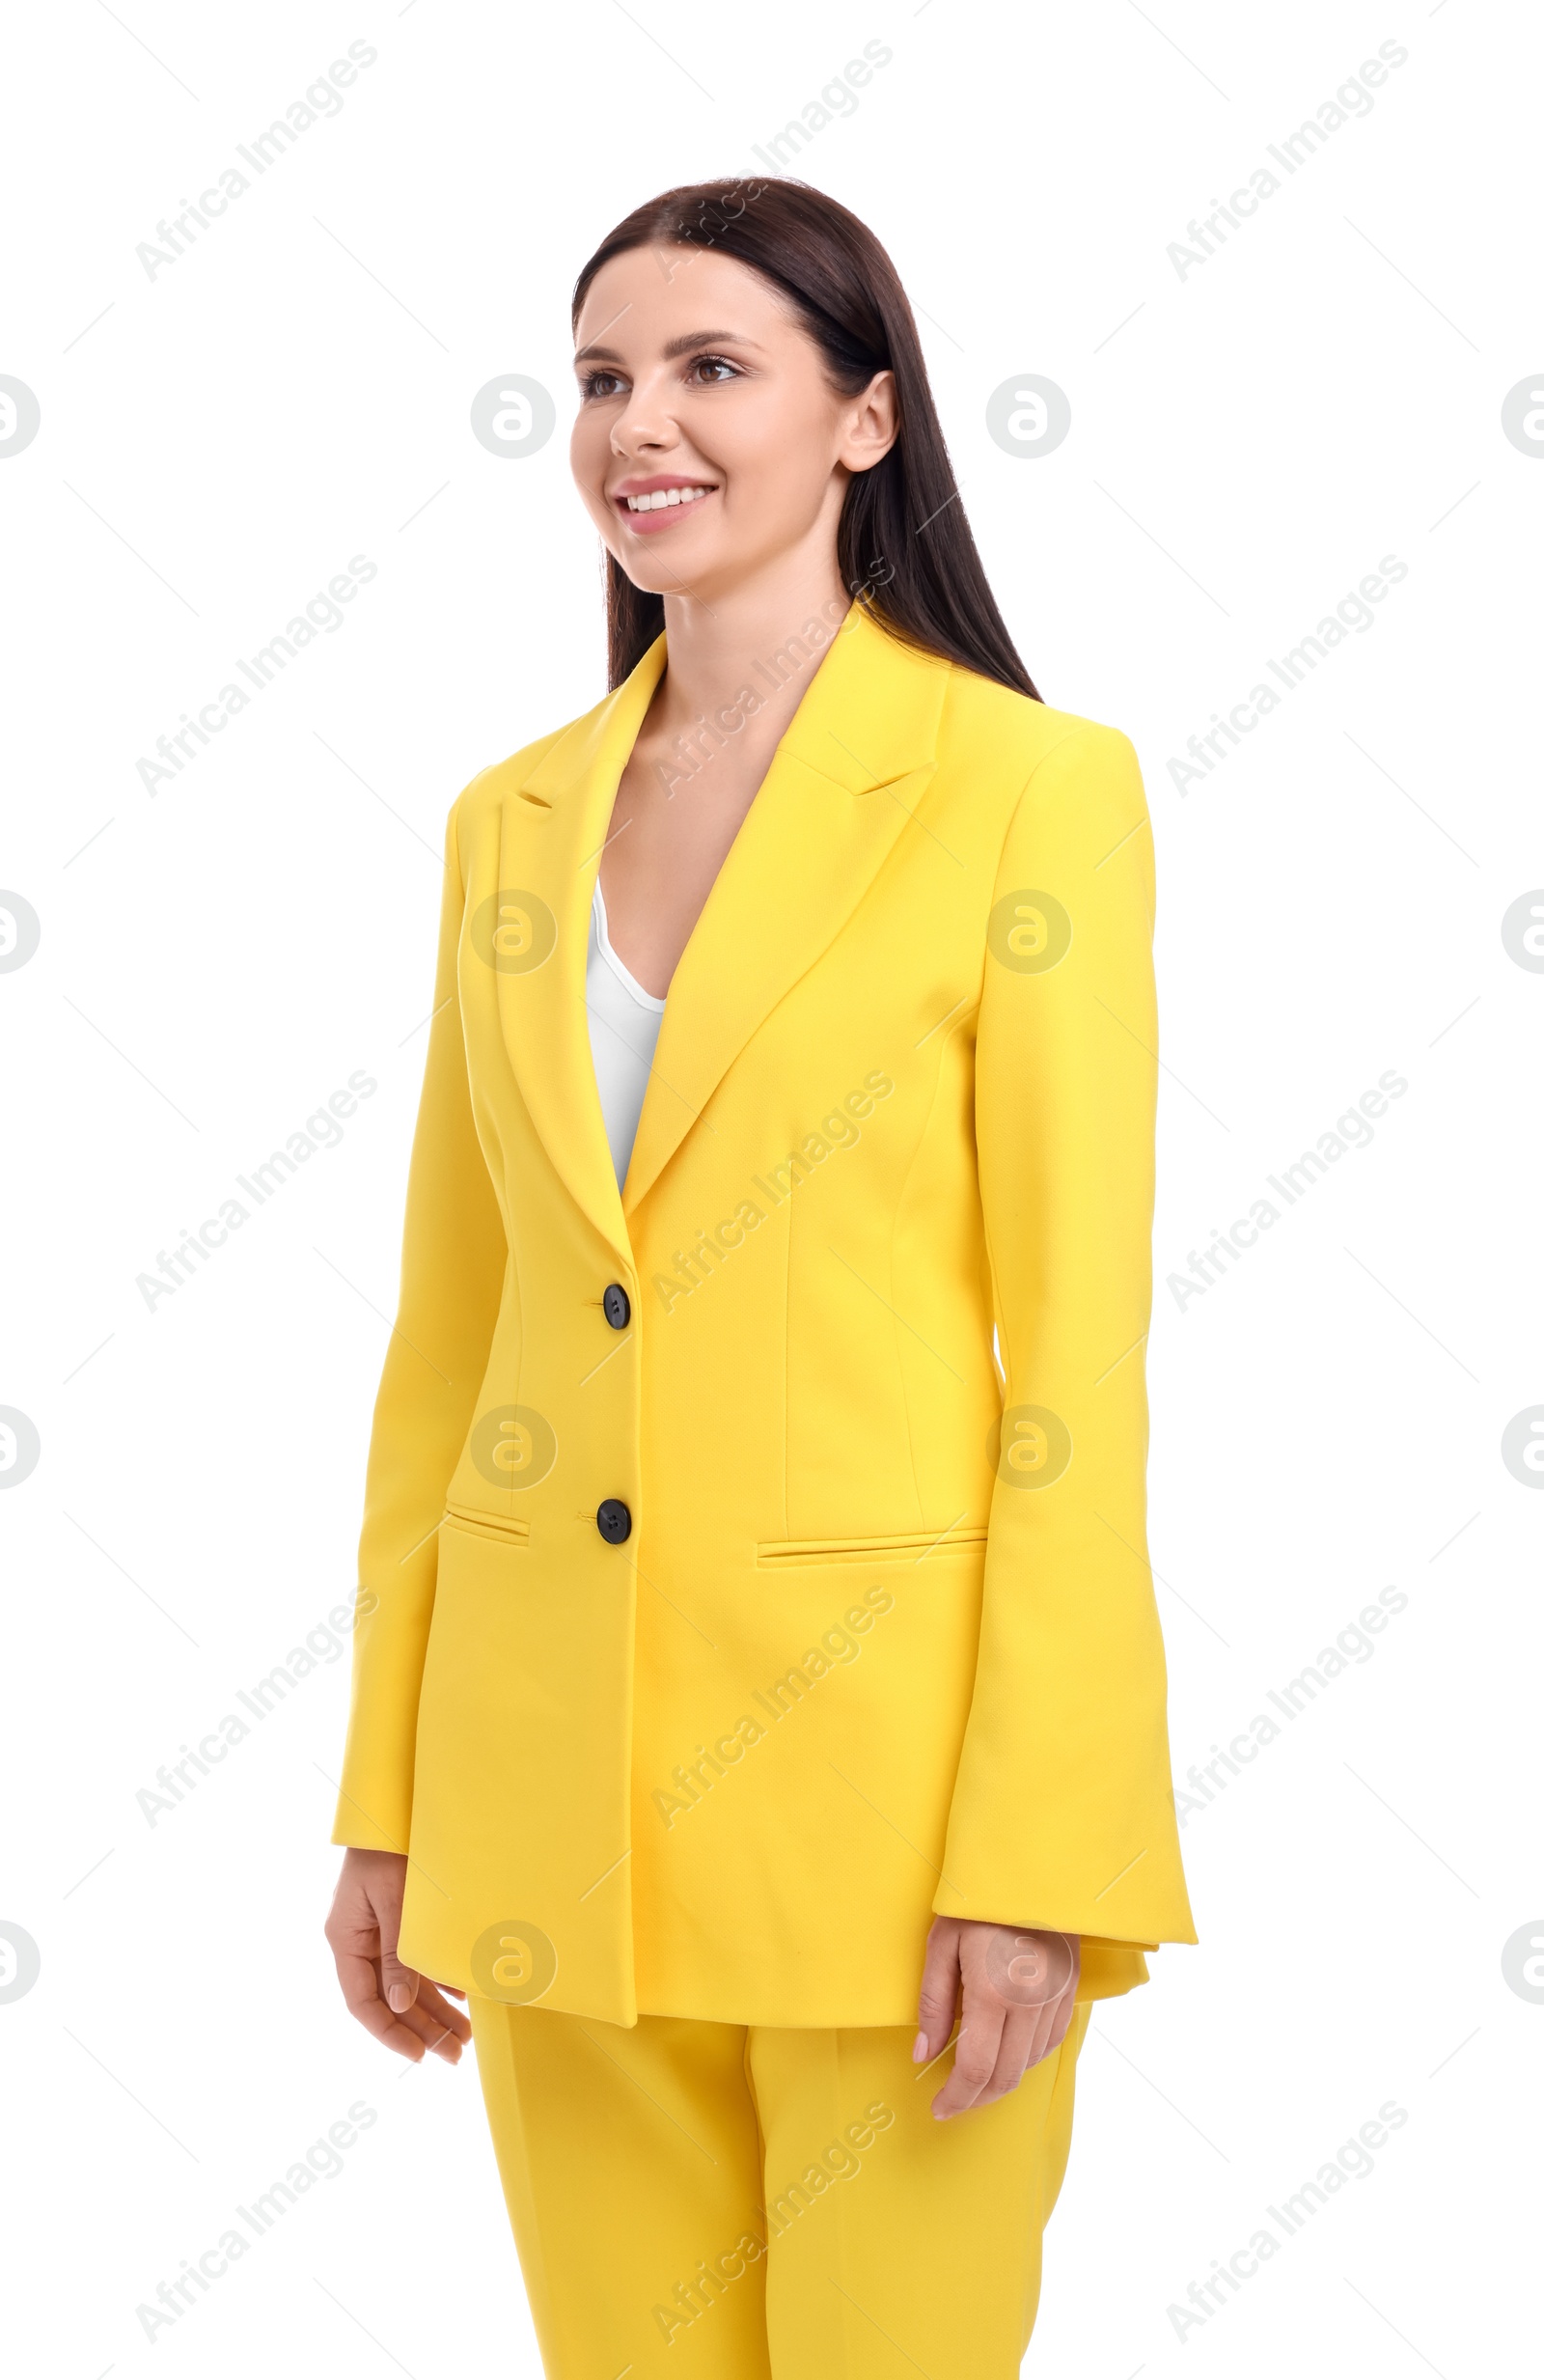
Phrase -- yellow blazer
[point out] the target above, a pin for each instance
(881, 1638)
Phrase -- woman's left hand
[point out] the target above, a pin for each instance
(1018, 1986)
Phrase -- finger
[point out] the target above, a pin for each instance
(398, 1984)
(1015, 2054)
(939, 1994)
(980, 2036)
(1052, 2022)
(1061, 2016)
(429, 1997)
(440, 2028)
(1040, 2021)
(444, 2029)
(358, 1979)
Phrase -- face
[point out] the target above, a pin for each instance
(708, 445)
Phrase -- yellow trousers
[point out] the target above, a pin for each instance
(749, 2202)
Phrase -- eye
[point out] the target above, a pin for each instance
(600, 383)
(715, 365)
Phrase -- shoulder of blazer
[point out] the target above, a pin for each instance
(1016, 731)
(992, 742)
(487, 790)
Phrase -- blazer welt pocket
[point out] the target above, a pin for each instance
(912, 1545)
(501, 1528)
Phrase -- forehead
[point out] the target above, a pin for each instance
(648, 296)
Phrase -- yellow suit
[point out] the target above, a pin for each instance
(738, 2203)
(880, 1638)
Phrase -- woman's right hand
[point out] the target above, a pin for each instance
(407, 2011)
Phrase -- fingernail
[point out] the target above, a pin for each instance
(918, 2049)
(398, 1998)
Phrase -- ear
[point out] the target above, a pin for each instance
(872, 425)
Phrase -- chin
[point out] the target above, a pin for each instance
(655, 577)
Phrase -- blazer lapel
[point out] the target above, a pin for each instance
(553, 828)
(841, 793)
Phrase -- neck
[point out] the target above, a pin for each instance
(762, 635)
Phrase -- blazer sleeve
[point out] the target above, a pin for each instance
(454, 1258)
(1062, 1813)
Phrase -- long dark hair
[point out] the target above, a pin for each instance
(903, 544)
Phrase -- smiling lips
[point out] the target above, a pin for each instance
(652, 504)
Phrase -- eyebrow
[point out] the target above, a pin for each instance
(674, 347)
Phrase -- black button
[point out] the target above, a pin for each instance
(615, 1306)
(614, 1521)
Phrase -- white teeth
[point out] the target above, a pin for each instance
(664, 497)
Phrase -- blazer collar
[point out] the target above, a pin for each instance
(840, 792)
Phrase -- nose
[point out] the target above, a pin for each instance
(646, 424)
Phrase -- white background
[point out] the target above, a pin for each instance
(1249, 440)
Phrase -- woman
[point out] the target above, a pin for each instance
(757, 1662)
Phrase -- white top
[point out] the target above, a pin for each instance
(623, 1028)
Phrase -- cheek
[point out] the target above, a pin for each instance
(589, 460)
(589, 447)
(774, 459)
